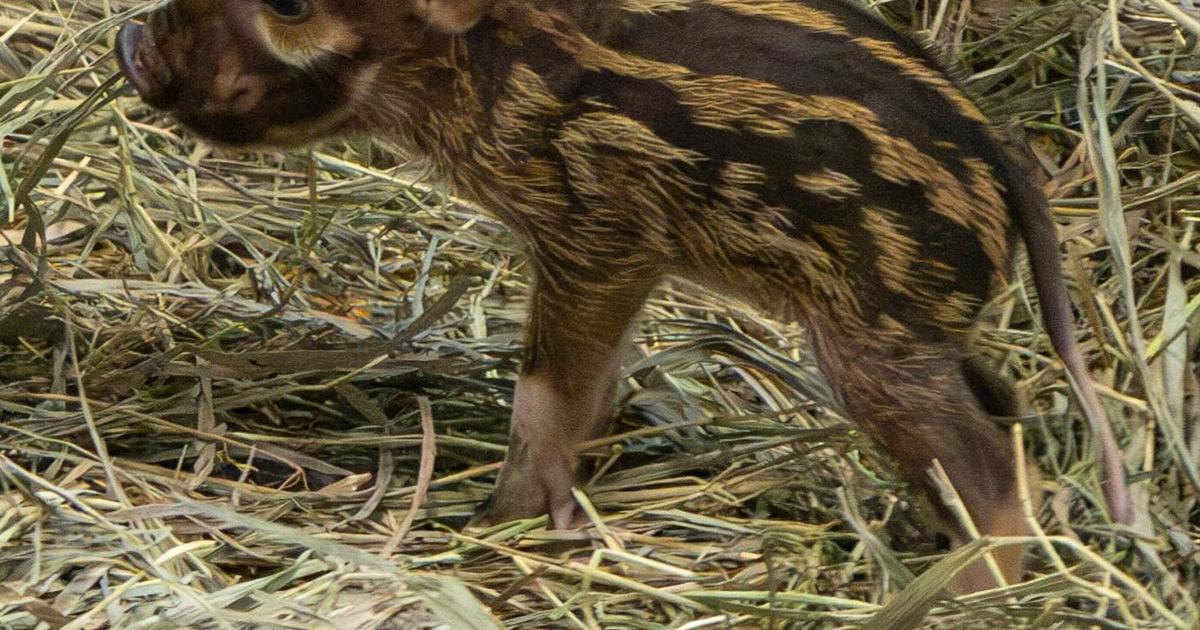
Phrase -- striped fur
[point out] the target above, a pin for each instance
(796, 154)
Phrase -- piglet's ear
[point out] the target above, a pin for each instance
(453, 16)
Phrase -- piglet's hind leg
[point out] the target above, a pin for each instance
(921, 401)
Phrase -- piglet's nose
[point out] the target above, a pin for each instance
(142, 66)
(129, 39)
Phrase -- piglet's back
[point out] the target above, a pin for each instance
(795, 149)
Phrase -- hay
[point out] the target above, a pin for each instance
(265, 391)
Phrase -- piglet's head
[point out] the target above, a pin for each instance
(282, 72)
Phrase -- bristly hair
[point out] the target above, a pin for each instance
(937, 54)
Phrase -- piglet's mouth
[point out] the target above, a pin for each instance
(142, 66)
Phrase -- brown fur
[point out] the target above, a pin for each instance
(453, 16)
(794, 153)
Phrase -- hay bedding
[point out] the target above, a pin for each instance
(264, 391)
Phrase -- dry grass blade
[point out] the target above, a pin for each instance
(224, 378)
(424, 474)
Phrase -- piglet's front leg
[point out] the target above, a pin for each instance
(564, 395)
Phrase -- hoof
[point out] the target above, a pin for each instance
(497, 509)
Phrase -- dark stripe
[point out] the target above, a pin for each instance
(711, 41)
(814, 146)
(861, 22)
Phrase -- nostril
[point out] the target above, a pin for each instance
(143, 66)
(129, 40)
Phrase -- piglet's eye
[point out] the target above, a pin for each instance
(290, 10)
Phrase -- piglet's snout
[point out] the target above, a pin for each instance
(143, 65)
